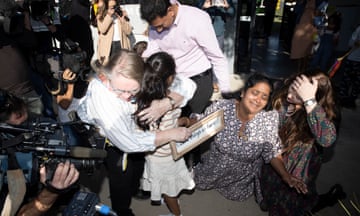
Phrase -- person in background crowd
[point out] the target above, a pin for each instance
(302, 40)
(162, 175)
(109, 104)
(114, 28)
(140, 47)
(307, 113)
(270, 9)
(349, 88)
(219, 14)
(329, 38)
(250, 137)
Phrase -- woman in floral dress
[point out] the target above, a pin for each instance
(307, 112)
(233, 163)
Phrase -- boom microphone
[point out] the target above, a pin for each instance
(84, 152)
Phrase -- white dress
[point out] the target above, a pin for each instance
(163, 175)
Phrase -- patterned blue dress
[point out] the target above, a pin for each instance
(232, 165)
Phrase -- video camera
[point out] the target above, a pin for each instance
(75, 59)
(48, 145)
(69, 56)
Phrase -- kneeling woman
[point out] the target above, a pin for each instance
(233, 163)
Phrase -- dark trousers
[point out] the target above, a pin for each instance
(123, 184)
(115, 47)
(202, 95)
(198, 104)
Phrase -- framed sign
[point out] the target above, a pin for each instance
(201, 131)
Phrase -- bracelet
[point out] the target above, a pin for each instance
(309, 102)
(172, 102)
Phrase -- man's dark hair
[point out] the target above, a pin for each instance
(9, 104)
(150, 9)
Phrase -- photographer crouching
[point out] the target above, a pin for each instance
(13, 113)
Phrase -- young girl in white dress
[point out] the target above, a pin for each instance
(163, 176)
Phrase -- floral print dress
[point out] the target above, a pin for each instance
(303, 162)
(232, 165)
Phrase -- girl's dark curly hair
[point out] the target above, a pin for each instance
(159, 67)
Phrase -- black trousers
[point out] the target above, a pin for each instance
(198, 104)
(202, 95)
(123, 184)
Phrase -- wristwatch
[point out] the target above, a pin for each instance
(309, 102)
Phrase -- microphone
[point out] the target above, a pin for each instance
(84, 152)
(105, 210)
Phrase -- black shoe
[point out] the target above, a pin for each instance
(156, 202)
(264, 206)
(330, 198)
(142, 195)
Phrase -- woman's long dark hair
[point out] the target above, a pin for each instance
(159, 67)
(296, 127)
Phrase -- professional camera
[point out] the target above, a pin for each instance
(69, 56)
(118, 11)
(74, 59)
(45, 143)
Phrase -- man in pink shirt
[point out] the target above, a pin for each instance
(187, 34)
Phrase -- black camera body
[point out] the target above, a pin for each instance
(118, 10)
(73, 58)
(45, 143)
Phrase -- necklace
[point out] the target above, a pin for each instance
(241, 132)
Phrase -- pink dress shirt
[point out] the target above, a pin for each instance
(191, 40)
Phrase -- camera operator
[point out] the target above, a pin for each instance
(68, 102)
(114, 29)
(13, 112)
(65, 176)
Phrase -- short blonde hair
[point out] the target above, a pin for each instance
(127, 63)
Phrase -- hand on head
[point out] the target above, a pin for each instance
(305, 88)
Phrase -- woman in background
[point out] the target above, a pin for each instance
(114, 28)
